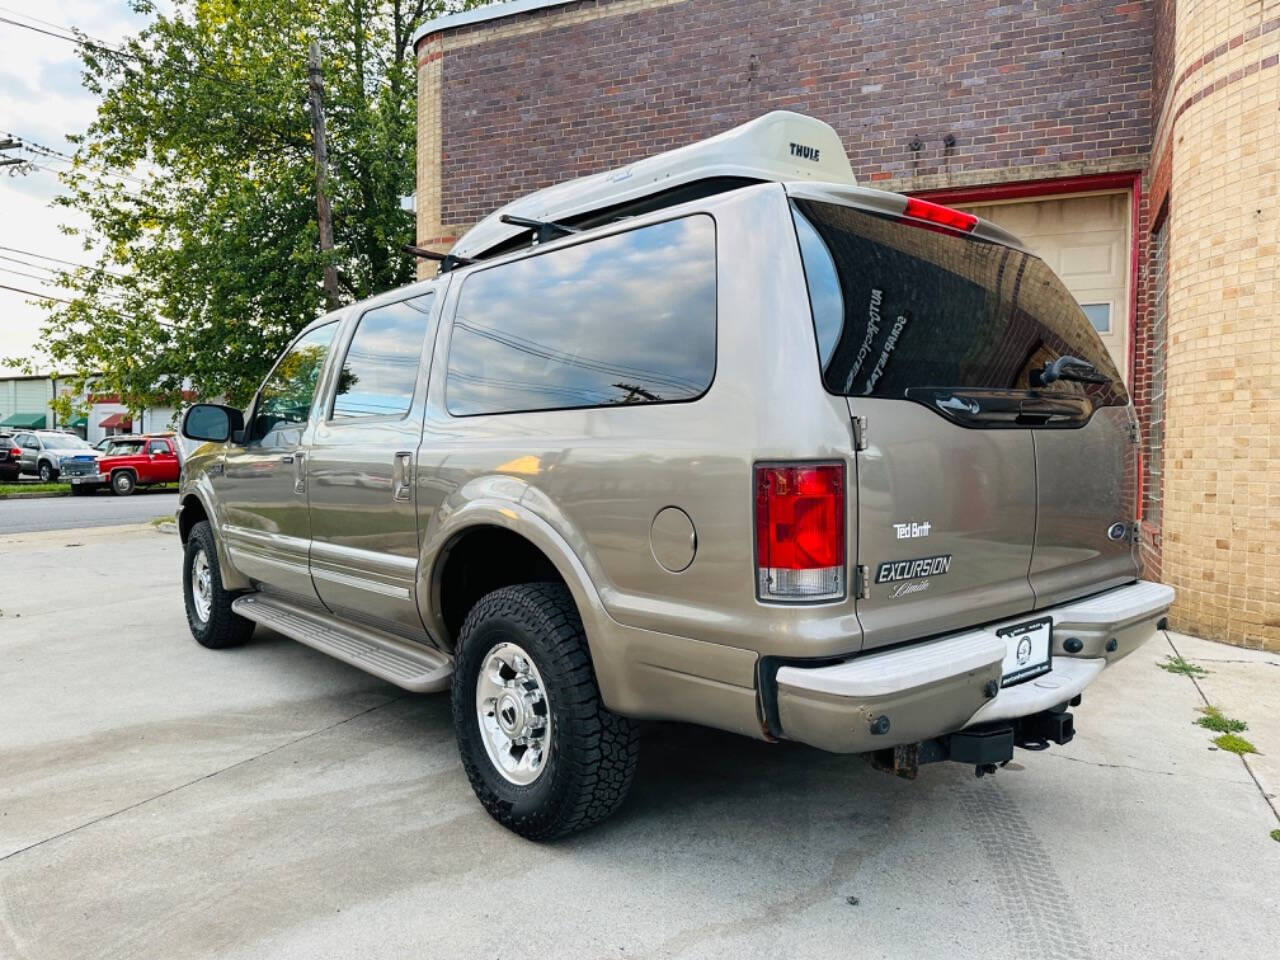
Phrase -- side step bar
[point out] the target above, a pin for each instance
(409, 665)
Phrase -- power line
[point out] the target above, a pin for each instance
(70, 263)
(32, 276)
(32, 293)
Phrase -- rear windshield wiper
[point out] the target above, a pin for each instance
(1067, 368)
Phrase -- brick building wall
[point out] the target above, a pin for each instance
(1027, 90)
(1220, 130)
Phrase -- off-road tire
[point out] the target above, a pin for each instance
(223, 628)
(122, 483)
(593, 754)
(47, 473)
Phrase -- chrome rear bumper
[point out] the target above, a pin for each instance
(940, 686)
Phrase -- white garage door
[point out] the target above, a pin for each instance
(1086, 242)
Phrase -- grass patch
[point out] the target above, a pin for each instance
(1275, 835)
(157, 521)
(1233, 744)
(1215, 720)
(1184, 667)
(8, 488)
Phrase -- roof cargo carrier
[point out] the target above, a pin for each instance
(780, 146)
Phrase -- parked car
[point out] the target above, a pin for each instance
(722, 437)
(49, 454)
(132, 462)
(9, 454)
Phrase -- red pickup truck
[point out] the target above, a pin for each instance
(132, 462)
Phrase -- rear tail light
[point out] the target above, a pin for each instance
(918, 209)
(800, 531)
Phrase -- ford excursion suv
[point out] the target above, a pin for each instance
(719, 437)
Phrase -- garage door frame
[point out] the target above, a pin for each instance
(1062, 188)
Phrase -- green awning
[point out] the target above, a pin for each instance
(79, 423)
(29, 421)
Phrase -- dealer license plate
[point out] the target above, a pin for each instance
(1028, 650)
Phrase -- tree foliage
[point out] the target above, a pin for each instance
(208, 259)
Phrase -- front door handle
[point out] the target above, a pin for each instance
(402, 476)
(299, 461)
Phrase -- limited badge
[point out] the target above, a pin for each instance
(893, 570)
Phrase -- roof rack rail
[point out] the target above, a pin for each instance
(543, 230)
(447, 261)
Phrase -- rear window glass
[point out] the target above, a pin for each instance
(625, 319)
(897, 306)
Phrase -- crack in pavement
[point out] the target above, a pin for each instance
(1266, 797)
(1125, 766)
(201, 778)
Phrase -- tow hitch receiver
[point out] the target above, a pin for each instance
(987, 747)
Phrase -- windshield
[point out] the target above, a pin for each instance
(63, 441)
(899, 306)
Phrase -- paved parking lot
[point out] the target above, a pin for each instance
(161, 800)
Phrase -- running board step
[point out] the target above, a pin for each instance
(409, 665)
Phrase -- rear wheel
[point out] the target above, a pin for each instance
(122, 483)
(209, 613)
(543, 754)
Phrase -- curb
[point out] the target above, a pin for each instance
(169, 526)
(46, 495)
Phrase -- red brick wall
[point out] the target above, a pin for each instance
(1017, 84)
(1163, 22)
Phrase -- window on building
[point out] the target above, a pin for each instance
(380, 370)
(285, 397)
(1153, 482)
(626, 319)
(1099, 315)
(897, 307)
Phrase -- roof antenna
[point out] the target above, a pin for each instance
(543, 230)
(447, 261)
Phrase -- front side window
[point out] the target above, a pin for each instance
(285, 397)
(380, 370)
(898, 306)
(626, 319)
(158, 448)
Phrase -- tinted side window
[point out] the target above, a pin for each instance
(380, 369)
(625, 319)
(286, 396)
(898, 306)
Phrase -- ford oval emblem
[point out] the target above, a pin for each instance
(1117, 531)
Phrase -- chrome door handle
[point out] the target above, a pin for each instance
(299, 461)
(402, 476)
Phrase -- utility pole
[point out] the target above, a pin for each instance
(315, 83)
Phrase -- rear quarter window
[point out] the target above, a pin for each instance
(626, 319)
(898, 306)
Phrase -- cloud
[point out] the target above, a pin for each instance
(41, 99)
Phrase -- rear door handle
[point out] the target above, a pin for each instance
(402, 476)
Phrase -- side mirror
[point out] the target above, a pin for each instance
(212, 423)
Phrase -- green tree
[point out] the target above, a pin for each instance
(208, 258)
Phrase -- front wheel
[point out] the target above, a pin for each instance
(47, 473)
(543, 754)
(209, 615)
(122, 483)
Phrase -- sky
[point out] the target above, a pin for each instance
(42, 100)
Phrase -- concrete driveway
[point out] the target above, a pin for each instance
(161, 800)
